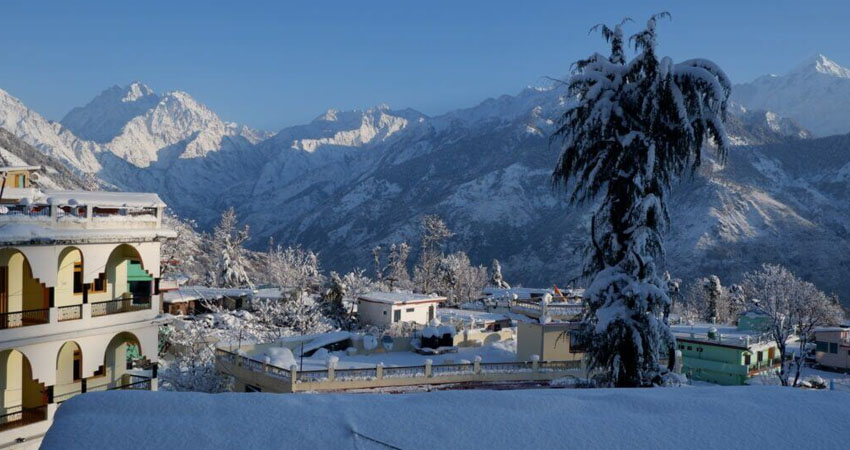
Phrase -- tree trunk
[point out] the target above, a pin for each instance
(783, 376)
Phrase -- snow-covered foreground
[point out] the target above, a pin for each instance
(694, 418)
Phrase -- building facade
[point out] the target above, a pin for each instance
(727, 359)
(386, 308)
(79, 300)
(832, 347)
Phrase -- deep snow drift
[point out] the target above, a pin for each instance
(694, 418)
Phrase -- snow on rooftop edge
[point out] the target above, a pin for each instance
(694, 418)
(103, 198)
(399, 297)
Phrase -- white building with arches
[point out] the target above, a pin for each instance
(79, 298)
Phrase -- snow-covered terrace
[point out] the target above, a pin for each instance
(354, 363)
(727, 335)
(52, 215)
(710, 418)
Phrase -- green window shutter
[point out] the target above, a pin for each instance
(136, 273)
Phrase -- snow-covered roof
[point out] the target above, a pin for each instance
(28, 232)
(188, 293)
(836, 328)
(102, 198)
(403, 298)
(521, 292)
(527, 418)
(726, 335)
(4, 169)
(316, 341)
(466, 315)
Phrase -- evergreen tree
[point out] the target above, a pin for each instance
(231, 263)
(497, 280)
(434, 234)
(636, 126)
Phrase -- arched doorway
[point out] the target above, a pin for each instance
(69, 277)
(24, 398)
(123, 365)
(69, 372)
(126, 285)
(23, 300)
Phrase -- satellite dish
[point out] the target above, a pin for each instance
(387, 342)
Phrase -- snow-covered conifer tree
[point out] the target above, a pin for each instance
(397, 274)
(636, 126)
(227, 240)
(434, 234)
(497, 280)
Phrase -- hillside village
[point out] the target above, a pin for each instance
(642, 246)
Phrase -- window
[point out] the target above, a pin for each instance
(409, 310)
(397, 315)
(99, 284)
(822, 346)
(690, 348)
(760, 356)
(78, 278)
(747, 360)
(577, 343)
(101, 371)
(252, 388)
(22, 181)
(833, 347)
(78, 365)
(385, 313)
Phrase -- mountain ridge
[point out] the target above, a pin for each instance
(350, 180)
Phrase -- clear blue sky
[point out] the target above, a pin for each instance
(271, 64)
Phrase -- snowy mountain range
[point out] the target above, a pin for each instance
(815, 93)
(351, 180)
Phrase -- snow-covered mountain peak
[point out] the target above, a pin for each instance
(353, 128)
(135, 91)
(103, 118)
(822, 65)
(815, 93)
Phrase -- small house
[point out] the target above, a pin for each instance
(386, 308)
(832, 347)
(724, 354)
(553, 341)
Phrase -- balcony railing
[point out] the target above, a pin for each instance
(24, 318)
(25, 210)
(71, 312)
(67, 395)
(24, 416)
(121, 305)
(136, 383)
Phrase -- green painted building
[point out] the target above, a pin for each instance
(725, 356)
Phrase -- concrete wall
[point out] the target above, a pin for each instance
(551, 342)
(381, 314)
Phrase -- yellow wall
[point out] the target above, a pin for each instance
(12, 179)
(64, 291)
(65, 370)
(11, 379)
(549, 342)
(24, 292)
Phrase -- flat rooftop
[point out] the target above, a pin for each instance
(727, 335)
(402, 298)
(709, 418)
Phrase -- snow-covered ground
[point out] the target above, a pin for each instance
(706, 418)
